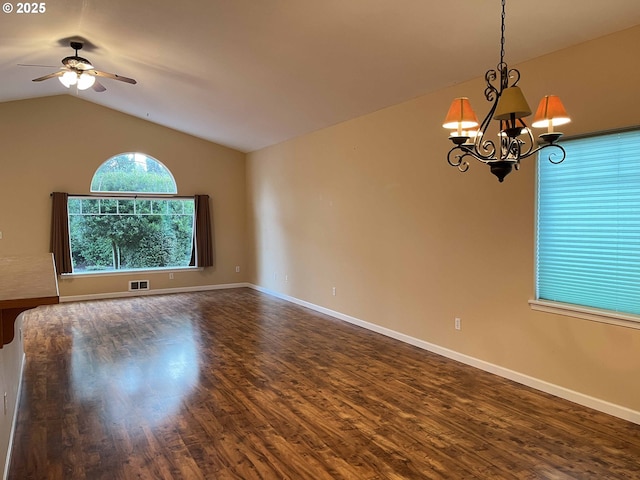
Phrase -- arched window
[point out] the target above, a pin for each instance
(133, 221)
(133, 173)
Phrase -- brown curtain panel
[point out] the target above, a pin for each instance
(60, 233)
(203, 254)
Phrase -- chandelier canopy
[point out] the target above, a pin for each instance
(509, 107)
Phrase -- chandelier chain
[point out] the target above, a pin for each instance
(502, 30)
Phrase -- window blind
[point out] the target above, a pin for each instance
(588, 224)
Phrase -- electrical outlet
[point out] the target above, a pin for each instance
(333, 291)
(286, 279)
(171, 276)
(237, 268)
(457, 323)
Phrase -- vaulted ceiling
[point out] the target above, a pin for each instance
(251, 73)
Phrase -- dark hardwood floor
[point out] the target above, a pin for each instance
(234, 384)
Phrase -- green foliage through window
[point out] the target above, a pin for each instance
(114, 234)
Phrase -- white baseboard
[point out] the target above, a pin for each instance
(562, 392)
(14, 422)
(159, 291)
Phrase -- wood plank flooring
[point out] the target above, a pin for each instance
(234, 384)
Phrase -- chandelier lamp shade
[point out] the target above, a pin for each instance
(509, 108)
(461, 116)
(550, 113)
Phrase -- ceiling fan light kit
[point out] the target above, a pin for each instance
(80, 72)
(81, 80)
(509, 107)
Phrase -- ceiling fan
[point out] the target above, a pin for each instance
(79, 71)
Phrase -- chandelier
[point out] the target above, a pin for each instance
(514, 141)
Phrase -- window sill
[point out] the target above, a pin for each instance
(129, 272)
(593, 314)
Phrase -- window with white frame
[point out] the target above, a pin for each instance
(132, 223)
(588, 224)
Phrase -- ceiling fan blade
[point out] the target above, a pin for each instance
(113, 76)
(51, 75)
(29, 65)
(98, 87)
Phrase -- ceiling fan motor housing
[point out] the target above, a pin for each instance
(75, 62)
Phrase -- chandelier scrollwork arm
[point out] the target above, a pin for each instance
(484, 150)
(514, 74)
(555, 156)
(491, 93)
(455, 157)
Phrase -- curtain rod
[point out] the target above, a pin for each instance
(158, 196)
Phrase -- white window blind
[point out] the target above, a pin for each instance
(588, 224)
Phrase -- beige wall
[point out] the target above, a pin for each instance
(56, 144)
(371, 207)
